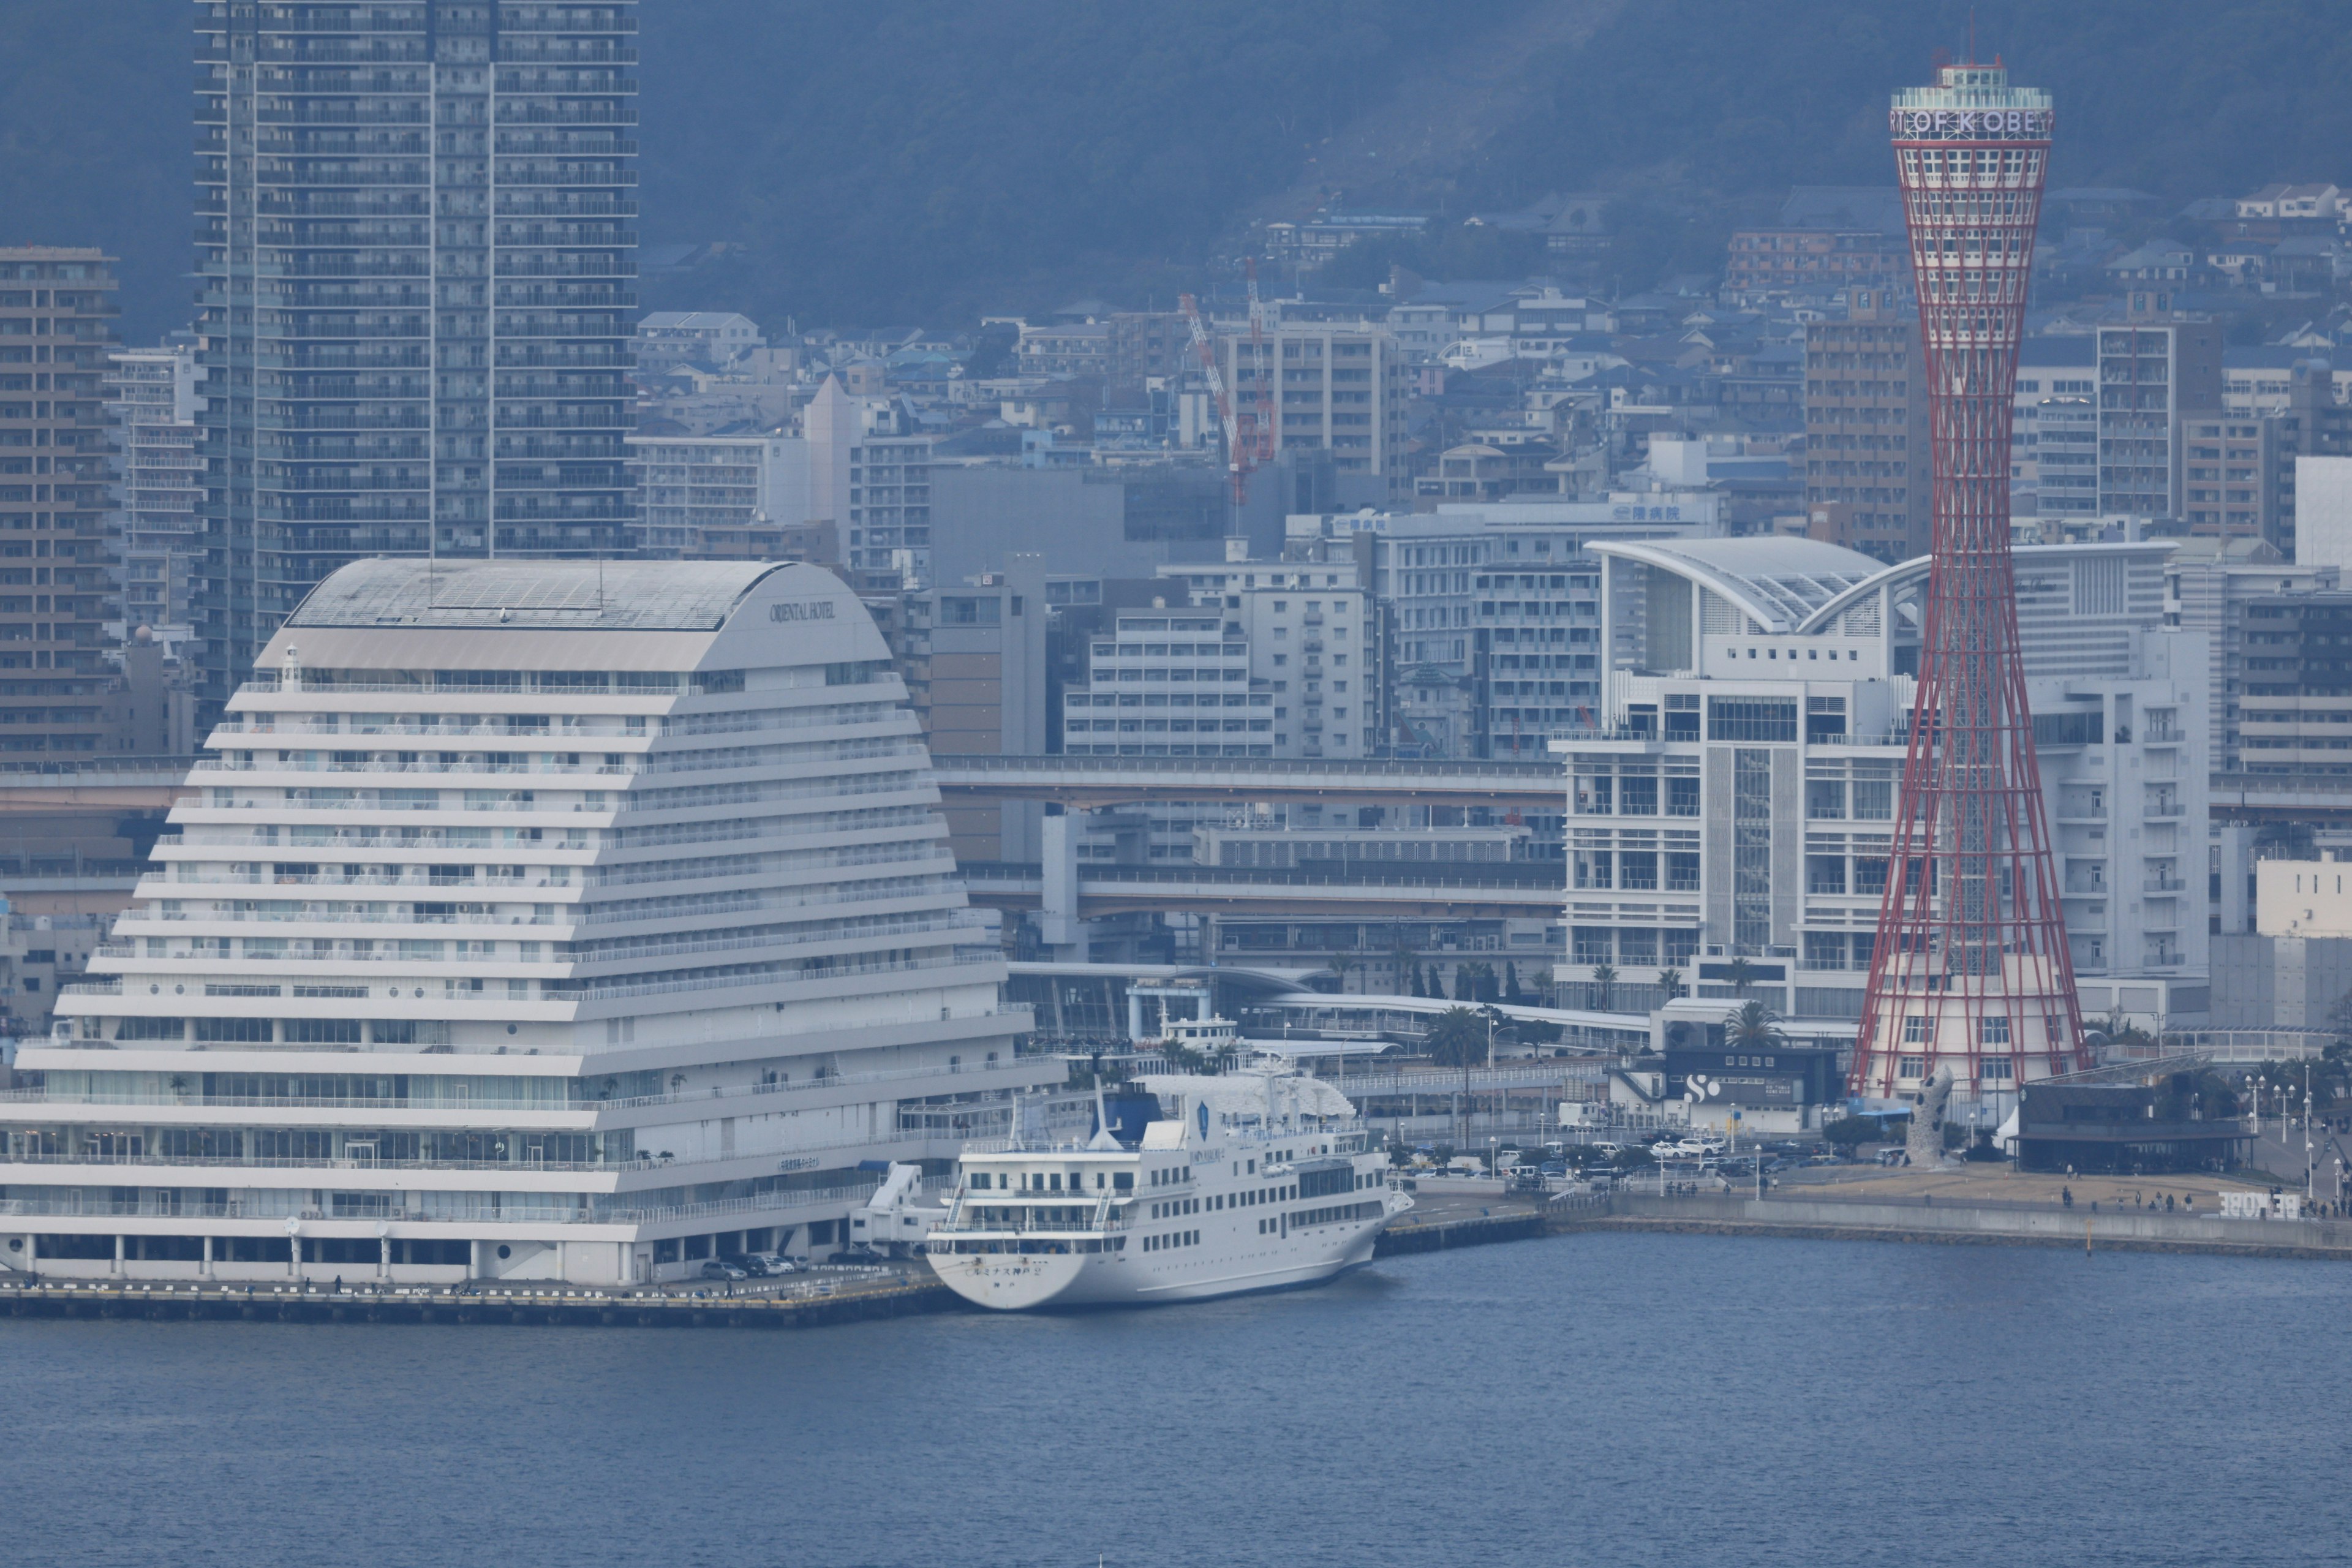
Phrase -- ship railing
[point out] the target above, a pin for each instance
(959, 1223)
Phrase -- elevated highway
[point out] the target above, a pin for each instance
(1448, 894)
(1085, 782)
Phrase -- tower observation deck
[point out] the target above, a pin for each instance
(1970, 970)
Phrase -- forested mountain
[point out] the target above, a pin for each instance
(909, 161)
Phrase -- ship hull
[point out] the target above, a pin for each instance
(1030, 1281)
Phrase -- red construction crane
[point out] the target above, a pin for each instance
(1248, 430)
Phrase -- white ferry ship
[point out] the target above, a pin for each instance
(1192, 1188)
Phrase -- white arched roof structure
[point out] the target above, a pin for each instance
(1777, 582)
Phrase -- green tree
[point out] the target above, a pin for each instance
(1604, 987)
(1741, 973)
(1511, 991)
(1669, 980)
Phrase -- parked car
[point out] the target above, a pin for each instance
(775, 1264)
(719, 1269)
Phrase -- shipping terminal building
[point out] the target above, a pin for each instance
(539, 921)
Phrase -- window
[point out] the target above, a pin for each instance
(1999, 1069)
(1918, 1031)
(1750, 719)
(1992, 1032)
(961, 610)
(1911, 1066)
(1682, 797)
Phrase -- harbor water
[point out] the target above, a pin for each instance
(1604, 1399)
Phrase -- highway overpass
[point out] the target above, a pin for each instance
(1448, 893)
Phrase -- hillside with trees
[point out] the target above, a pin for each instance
(911, 163)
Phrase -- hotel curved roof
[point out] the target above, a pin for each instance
(1778, 582)
(588, 595)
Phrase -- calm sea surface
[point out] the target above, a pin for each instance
(1606, 1400)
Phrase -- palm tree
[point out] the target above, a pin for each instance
(1340, 966)
(2117, 1032)
(1669, 980)
(1753, 1025)
(1408, 975)
(1604, 987)
(1457, 1037)
(1739, 972)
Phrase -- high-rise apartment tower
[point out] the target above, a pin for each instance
(56, 324)
(416, 241)
(1970, 970)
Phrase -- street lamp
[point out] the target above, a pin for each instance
(2308, 1195)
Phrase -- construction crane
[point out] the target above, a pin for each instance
(1248, 430)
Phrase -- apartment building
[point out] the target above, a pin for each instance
(1314, 642)
(56, 328)
(1747, 810)
(2150, 377)
(1769, 265)
(2053, 435)
(2211, 586)
(1169, 682)
(1867, 426)
(157, 534)
(872, 479)
(2295, 714)
(1327, 388)
(1496, 621)
(416, 237)
(696, 495)
(529, 921)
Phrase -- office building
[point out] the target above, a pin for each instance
(1748, 813)
(416, 239)
(57, 327)
(1867, 426)
(530, 921)
(986, 691)
(2151, 377)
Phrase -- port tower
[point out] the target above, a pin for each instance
(1971, 969)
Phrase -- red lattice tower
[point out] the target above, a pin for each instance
(1971, 969)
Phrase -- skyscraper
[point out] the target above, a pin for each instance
(416, 244)
(1970, 970)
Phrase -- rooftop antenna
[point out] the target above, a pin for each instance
(1972, 35)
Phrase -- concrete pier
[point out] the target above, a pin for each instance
(819, 1306)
